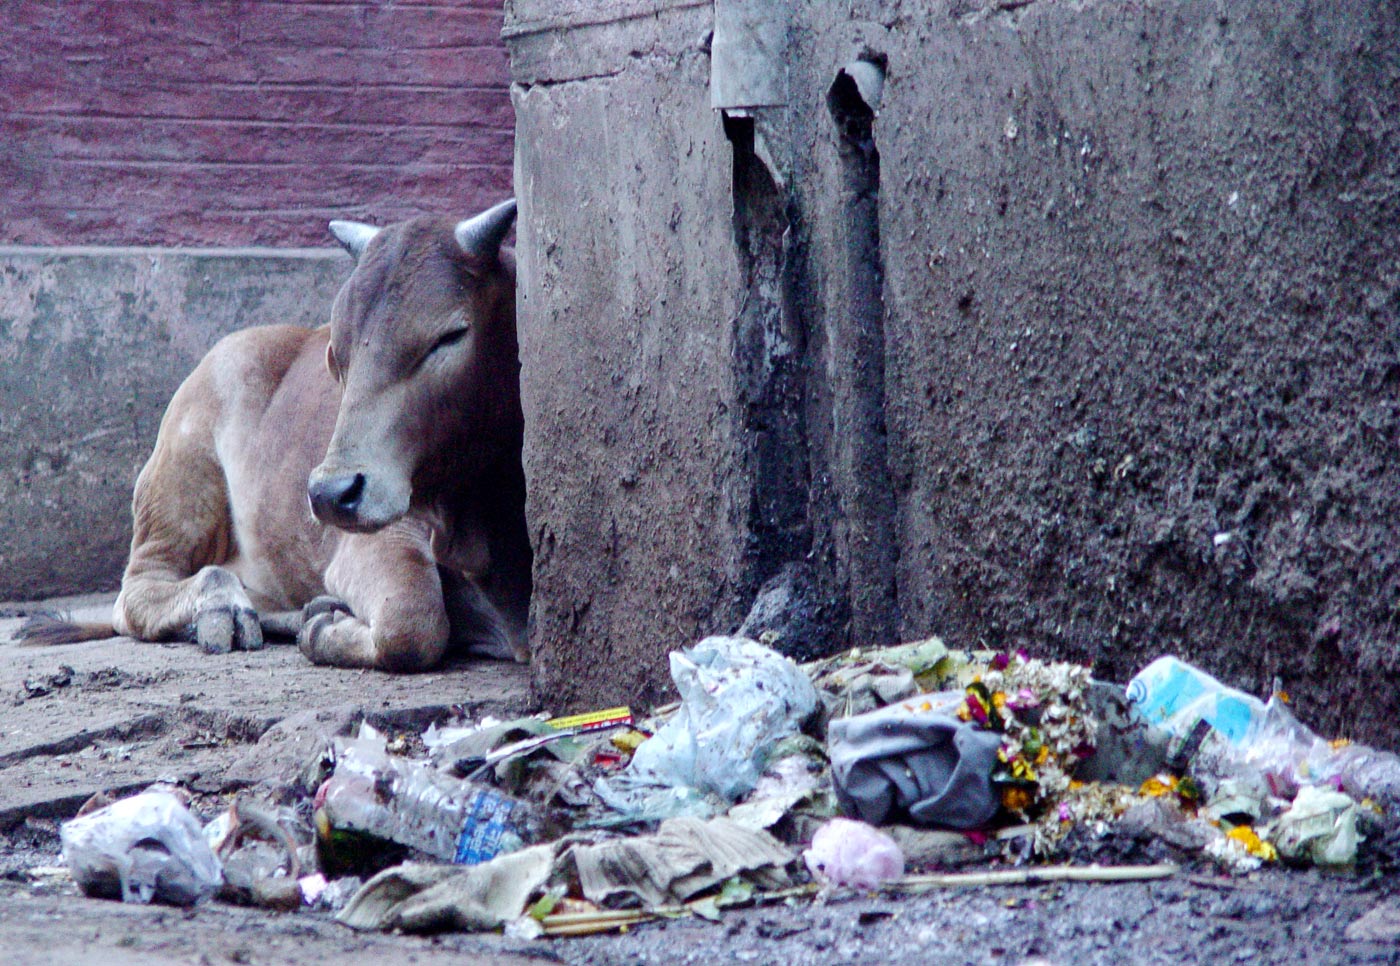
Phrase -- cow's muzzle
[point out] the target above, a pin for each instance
(339, 500)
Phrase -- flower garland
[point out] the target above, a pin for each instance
(1041, 709)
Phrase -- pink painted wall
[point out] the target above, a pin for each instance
(246, 122)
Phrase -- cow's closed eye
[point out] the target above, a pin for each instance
(450, 338)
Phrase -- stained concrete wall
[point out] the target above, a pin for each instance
(634, 495)
(93, 343)
(1084, 338)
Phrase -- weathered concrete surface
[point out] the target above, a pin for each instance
(93, 342)
(120, 714)
(1087, 342)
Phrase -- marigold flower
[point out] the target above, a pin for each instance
(1015, 798)
(1157, 786)
(1253, 844)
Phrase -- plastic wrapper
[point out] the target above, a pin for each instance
(1319, 828)
(1175, 696)
(848, 853)
(1224, 735)
(147, 848)
(1280, 754)
(739, 699)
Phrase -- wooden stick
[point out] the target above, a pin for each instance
(587, 923)
(1054, 873)
(603, 915)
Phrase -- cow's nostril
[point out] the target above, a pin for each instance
(348, 499)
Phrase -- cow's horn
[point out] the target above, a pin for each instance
(354, 235)
(482, 236)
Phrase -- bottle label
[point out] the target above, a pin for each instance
(487, 822)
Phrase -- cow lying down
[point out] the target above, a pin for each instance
(357, 485)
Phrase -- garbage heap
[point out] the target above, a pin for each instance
(874, 769)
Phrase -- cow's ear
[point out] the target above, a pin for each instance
(354, 235)
(480, 237)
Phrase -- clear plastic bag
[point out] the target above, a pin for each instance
(1291, 755)
(738, 700)
(147, 848)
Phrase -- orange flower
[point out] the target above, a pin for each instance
(1253, 844)
(1157, 786)
(1015, 798)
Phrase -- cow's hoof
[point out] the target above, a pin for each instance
(219, 630)
(314, 640)
(325, 604)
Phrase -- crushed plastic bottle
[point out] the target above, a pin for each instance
(412, 803)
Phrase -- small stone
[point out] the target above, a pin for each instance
(1380, 925)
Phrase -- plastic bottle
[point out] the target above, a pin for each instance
(414, 804)
(1176, 696)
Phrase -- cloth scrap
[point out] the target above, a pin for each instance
(685, 857)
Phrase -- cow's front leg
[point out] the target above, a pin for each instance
(396, 619)
(211, 607)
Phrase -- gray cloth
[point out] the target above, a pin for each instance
(929, 766)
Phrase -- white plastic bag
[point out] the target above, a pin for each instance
(1319, 827)
(738, 700)
(147, 848)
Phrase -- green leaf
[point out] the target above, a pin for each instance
(735, 892)
(546, 903)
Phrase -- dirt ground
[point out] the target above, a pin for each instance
(118, 715)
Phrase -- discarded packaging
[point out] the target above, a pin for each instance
(1320, 828)
(1225, 735)
(925, 764)
(147, 848)
(853, 854)
(1176, 696)
(738, 700)
(416, 897)
(1290, 755)
(258, 845)
(414, 804)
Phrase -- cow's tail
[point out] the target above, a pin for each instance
(47, 629)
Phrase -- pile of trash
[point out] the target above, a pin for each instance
(767, 780)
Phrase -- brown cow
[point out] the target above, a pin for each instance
(364, 476)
